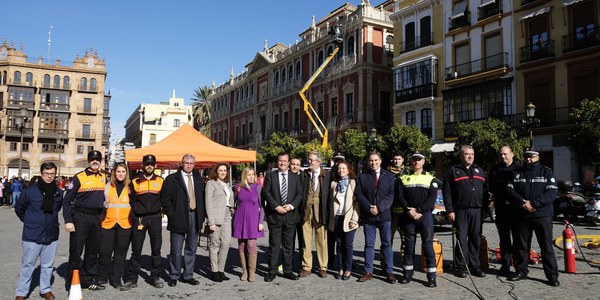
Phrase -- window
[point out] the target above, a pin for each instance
(93, 84)
(276, 122)
(334, 106)
(425, 31)
(493, 47)
(461, 57)
(47, 80)
(283, 75)
(285, 119)
(29, 78)
(291, 73)
(320, 58)
(349, 103)
(320, 109)
(20, 94)
(411, 118)
(296, 118)
(83, 84)
(13, 147)
(17, 78)
(409, 36)
(385, 107)
(25, 147)
(90, 149)
(54, 121)
(414, 75)
(426, 122)
(85, 131)
(51, 148)
(538, 34)
(79, 149)
(152, 140)
(459, 9)
(351, 46)
(584, 21)
(298, 70)
(56, 83)
(66, 82)
(276, 79)
(176, 123)
(87, 105)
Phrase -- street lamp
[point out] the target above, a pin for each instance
(20, 123)
(372, 142)
(530, 122)
(60, 142)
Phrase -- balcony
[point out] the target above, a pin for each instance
(55, 107)
(416, 92)
(52, 133)
(106, 113)
(548, 118)
(20, 103)
(478, 66)
(489, 9)
(87, 89)
(583, 39)
(11, 81)
(460, 20)
(417, 42)
(86, 110)
(64, 86)
(332, 122)
(85, 135)
(105, 137)
(539, 50)
(347, 120)
(13, 131)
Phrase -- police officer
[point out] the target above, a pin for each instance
(465, 193)
(532, 190)
(146, 217)
(82, 209)
(499, 177)
(416, 193)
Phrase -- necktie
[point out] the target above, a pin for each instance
(376, 179)
(283, 188)
(190, 187)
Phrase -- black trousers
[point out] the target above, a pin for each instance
(281, 236)
(543, 231)
(468, 233)
(152, 225)
(114, 241)
(86, 236)
(506, 228)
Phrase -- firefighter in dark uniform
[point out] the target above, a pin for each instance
(533, 190)
(146, 217)
(465, 193)
(82, 208)
(416, 193)
(498, 178)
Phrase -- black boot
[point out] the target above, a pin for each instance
(216, 277)
(431, 280)
(408, 274)
(223, 277)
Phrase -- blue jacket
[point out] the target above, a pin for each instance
(381, 194)
(16, 186)
(38, 227)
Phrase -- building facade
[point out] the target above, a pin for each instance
(150, 123)
(354, 91)
(51, 111)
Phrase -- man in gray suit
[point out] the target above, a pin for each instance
(282, 194)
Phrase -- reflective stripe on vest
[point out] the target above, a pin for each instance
(118, 210)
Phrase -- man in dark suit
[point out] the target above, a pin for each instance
(282, 194)
(375, 193)
(182, 199)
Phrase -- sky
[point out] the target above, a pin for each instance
(154, 47)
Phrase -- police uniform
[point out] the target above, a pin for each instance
(146, 216)
(465, 193)
(417, 190)
(82, 207)
(535, 183)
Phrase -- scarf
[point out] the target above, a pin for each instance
(343, 184)
(48, 190)
(395, 170)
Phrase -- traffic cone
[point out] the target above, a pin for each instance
(75, 291)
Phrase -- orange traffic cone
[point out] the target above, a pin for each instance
(75, 291)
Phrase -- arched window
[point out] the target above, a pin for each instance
(29, 78)
(56, 81)
(351, 46)
(291, 73)
(66, 82)
(283, 75)
(4, 74)
(83, 83)
(320, 58)
(17, 78)
(276, 79)
(46, 80)
(298, 70)
(93, 84)
(340, 53)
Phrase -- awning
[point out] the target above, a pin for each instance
(443, 147)
(459, 9)
(541, 11)
(571, 2)
(487, 3)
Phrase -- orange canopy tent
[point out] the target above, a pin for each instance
(184, 140)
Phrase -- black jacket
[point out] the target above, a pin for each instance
(176, 205)
(535, 183)
(498, 180)
(271, 196)
(465, 188)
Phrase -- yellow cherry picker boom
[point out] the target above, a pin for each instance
(336, 34)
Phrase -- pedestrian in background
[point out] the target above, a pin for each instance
(248, 222)
(219, 209)
(15, 189)
(38, 208)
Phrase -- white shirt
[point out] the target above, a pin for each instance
(315, 177)
(341, 198)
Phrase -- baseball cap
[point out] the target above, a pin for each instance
(149, 159)
(94, 155)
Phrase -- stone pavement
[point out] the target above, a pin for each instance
(583, 285)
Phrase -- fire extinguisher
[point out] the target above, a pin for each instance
(569, 248)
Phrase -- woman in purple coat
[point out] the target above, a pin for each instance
(248, 221)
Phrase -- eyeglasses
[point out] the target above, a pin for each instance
(48, 174)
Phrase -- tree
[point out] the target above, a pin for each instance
(201, 110)
(279, 142)
(353, 145)
(486, 137)
(314, 145)
(585, 135)
(407, 139)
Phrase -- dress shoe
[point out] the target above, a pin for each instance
(191, 281)
(304, 273)
(270, 277)
(406, 279)
(290, 276)
(478, 273)
(462, 273)
(517, 277)
(366, 277)
(216, 277)
(553, 282)
(222, 274)
(156, 282)
(323, 273)
(48, 296)
(172, 282)
(19, 298)
(390, 278)
(431, 283)
(346, 277)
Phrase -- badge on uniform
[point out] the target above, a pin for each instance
(476, 170)
(140, 227)
(156, 184)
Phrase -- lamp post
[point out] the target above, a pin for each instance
(60, 142)
(20, 123)
(530, 122)
(372, 142)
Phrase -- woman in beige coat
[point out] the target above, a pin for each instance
(343, 219)
(219, 210)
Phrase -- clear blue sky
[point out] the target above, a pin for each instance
(152, 47)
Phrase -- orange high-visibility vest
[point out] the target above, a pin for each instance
(118, 210)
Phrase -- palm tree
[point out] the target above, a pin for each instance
(201, 110)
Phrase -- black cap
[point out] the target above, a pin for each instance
(417, 155)
(531, 152)
(149, 159)
(94, 155)
(339, 156)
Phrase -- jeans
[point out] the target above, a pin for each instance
(385, 233)
(344, 246)
(15, 196)
(31, 252)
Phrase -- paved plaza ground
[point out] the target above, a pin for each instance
(583, 285)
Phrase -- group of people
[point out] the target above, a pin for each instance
(10, 190)
(317, 204)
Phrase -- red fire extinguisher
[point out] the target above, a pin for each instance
(569, 249)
